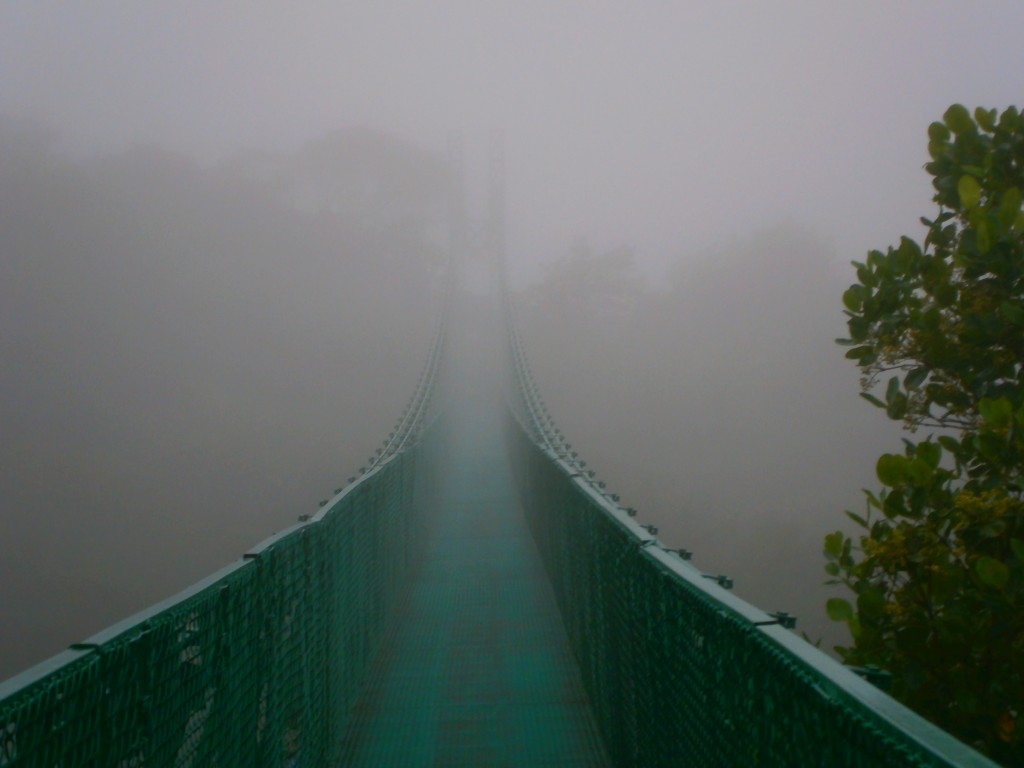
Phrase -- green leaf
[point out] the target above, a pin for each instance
(863, 273)
(918, 501)
(1012, 313)
(893, 506)
(969, 190)
(859, 328)
(915, 377)
(1018, 549)
(834, 545)
(958, 119)
(930, 454)
(853, 298)
(832, 569)
(938, 132)
(839, 609)
(891, 469)
(892, 390)
(908, 254)
(983, 237)
(918, 471)
(871, 603)
(992, 573)
(990, 446)
(951, 444)
(945, 294)
(997, 413)
(872, 399)
(1009, 207)
(857, 519)
(897, 409)
(986, 118)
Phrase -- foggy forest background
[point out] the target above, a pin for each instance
(193, 355)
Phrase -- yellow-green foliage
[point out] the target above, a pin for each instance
(938, 569)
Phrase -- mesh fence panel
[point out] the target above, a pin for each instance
(680, 672)
(259, 665)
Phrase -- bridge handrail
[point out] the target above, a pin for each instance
(235, 664)
(415, 416)
(880, 730)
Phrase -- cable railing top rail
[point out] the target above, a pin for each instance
(608, 569)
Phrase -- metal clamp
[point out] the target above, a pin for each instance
(780, 618)
(723, 581)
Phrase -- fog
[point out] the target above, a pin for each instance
(192, 358)
(221, 229)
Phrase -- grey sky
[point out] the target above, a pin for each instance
(668, 126)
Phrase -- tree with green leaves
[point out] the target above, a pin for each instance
(937, 330)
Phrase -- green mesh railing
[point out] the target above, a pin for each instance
(259, 664)
(679, 671)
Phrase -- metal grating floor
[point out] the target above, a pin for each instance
(479, 671)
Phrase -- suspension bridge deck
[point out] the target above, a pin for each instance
(410, 622)
(479, 671)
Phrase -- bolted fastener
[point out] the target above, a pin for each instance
(878, 677)
(784, 619)
(723, 581)
(787, 621)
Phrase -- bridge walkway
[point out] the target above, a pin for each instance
(479, 671)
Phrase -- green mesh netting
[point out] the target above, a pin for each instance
(258, 665)
(678, 671)
(681, 673)
(264, 663)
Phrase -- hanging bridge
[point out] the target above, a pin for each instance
(474, 597)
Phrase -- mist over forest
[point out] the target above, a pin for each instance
(717, 404)
(192, 357)
(223, 236)
(196, 354)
